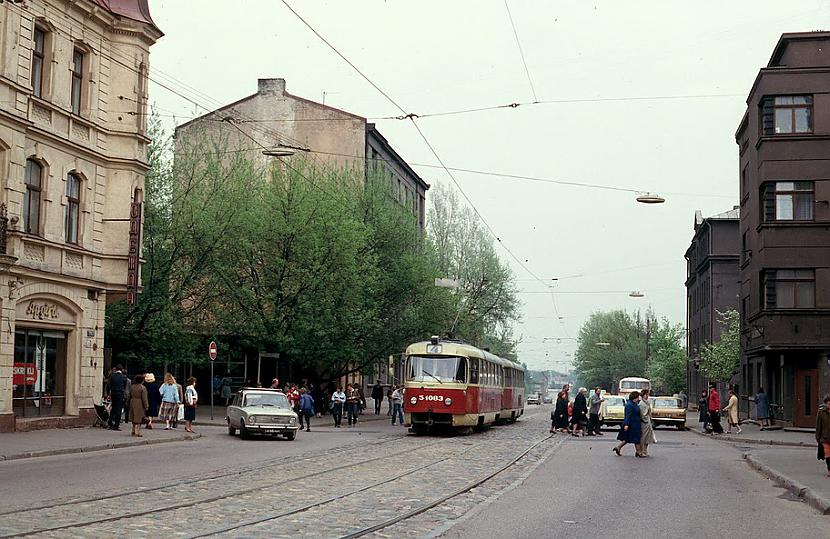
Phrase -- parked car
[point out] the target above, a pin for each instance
(534, 398)
(261, 411)
(547, 399)
(668, 411)
(613, 410)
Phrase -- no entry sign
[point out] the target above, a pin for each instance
(212, 350)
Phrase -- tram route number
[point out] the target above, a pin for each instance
(439, 398)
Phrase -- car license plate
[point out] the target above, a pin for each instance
(272, 431)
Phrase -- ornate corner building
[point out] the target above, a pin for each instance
(73, 155)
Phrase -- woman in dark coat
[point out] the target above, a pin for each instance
(560, 413)
(632, 424)
(137, 404)
(580, 412)
(153, 398)
(703, 409)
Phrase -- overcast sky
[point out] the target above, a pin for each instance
(433, 56)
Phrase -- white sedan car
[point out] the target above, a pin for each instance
(261, 411)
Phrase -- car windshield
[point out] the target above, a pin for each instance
(666, 403)
(614, 401)
(437, 369)
(265, 399)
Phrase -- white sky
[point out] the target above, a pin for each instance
(437, 56)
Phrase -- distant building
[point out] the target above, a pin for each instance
(73, 155)
(784, 144)
(712, 286)
(325, 135)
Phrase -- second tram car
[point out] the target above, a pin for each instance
(453, 384)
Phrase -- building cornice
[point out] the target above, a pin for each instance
(781, 71)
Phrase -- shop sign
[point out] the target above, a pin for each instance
(43, 311)
(134, 250)
(24, 374)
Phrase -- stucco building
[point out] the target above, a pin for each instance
(325, 135)
(73, 88)
(712, 286)
(784, 144)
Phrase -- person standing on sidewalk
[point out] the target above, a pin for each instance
(714, 409)
(703, 409)
(118, 392)
(191, 399)
(153, 397)
(593, 413)
(762, 408)
(377, 396)
(138, 404)
(731, 412)
(823, 431)
(397, 404)
(352, 404)
(338, 401)
(169, 400)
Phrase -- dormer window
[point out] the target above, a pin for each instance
(787, 114)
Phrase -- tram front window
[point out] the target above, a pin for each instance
(437, 369)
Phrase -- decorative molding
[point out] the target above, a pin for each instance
(41, 114)
(74, 261)
(36, 253)
(80, 132)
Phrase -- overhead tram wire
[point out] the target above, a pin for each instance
(521, 52)
(434, 152)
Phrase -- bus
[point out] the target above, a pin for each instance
(633, 383)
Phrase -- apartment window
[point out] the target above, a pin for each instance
(73, 205)
(31, 198)
(790, 289)
(745, 254)
(788, 201)
(38, 54)
(77, 79)
(787, 114)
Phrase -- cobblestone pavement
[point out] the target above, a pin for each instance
(325, 494)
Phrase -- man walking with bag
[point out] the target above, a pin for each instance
(118, 392)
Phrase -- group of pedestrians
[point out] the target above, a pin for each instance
(142, 400)
(637, 428)
(709, 407)
(580, 417)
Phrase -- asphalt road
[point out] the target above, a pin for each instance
(84, 475)
(690, 487)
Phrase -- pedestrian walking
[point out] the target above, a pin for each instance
(191, 400)
(352, 404)
(306, 408)
(762, 408)
(153, 398)
(138, 404)
(169, 400)
(647, 427)
(225, 391)
(117, 393)
(731, 412)
(126, 409)
(294, 399)
(559, 416)
(338, 401)
(684, 399)
(714, 410)
(823, 432)
(362, 403)
(703, 409)
(389, 400)
(632, 424)
(580, 412)
(397, 404)
(377, 396)
(593, 413)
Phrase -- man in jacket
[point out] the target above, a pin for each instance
(377, 396)
(823, 431)
(714, 410)
(593, 413)
(118, 392)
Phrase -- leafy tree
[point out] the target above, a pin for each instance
(667, 358)
(720, 360)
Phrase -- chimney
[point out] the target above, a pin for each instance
(271, 86)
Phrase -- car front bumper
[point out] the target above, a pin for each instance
(668, 420)
(271, 429)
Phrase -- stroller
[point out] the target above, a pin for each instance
(102, 414)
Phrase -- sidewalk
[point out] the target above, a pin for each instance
(752, 434)
(797, 470)
(44, 443)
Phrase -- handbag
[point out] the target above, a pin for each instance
(180, 412)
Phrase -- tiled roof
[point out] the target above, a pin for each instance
(137, 10)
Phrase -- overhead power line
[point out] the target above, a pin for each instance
(521, 52)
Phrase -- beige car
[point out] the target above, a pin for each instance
(261, 411)
(613, 409)
(668, 411)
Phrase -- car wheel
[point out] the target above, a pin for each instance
(231, 429)
(291, 435)
(243, 432)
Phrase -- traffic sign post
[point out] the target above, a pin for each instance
(212, 352)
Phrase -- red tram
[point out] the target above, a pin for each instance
(453, 384)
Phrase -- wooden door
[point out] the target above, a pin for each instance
(806, 398)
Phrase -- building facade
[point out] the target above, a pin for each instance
(784, 144)
(73, 87)
(712, 286)
(324, 135)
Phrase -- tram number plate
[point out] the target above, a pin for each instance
(438, 398)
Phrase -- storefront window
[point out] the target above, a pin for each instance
(39, 374)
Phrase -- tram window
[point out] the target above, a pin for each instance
(437, 369)
(474, 363)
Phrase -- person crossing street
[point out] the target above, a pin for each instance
(377, 396)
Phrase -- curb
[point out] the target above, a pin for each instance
(729, 438)
(815, 500)
(91, 449)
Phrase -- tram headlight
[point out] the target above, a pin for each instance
(413, 400)
(448, 401)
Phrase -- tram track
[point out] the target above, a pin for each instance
(202, 500)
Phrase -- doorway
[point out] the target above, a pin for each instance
(39, 374)
(806, 398)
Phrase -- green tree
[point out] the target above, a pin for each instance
(623, 355)
(667, 360)
(720, 360)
